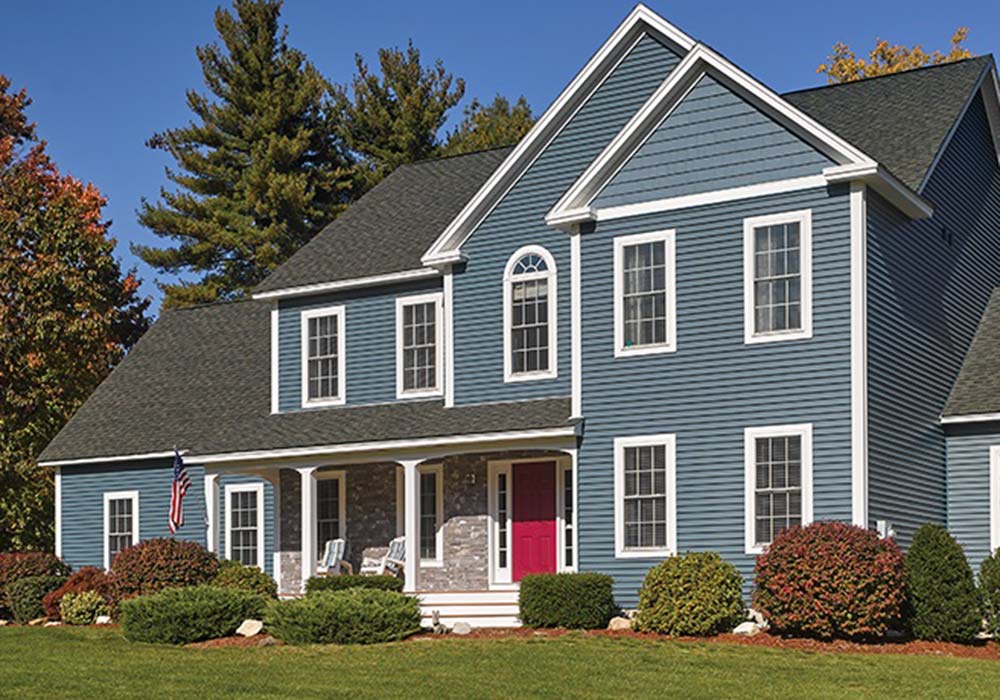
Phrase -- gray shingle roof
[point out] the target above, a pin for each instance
(977, 389)
(900, 120)
(199, 379)
(392, 226)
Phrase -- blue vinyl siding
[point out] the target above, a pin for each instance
(713, 140)
(928, 284)
(519, 220)
(714, 386)
(969, 488)
(371, 342)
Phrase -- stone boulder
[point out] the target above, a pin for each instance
(461, 628)
(103, 620)
(250, 628)
(747, 629)
(619, 624)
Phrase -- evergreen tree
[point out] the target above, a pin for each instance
(489, 126)
(260, 171)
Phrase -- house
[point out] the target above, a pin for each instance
(683, 313)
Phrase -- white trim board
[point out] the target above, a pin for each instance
(859, 354)
(113, 458)
(994, 492)
(343, 285)
(57, 479)
(275, 362)
(339, 312)
(437, 299)
(971, 418)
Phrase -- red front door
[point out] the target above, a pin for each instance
(534, 526)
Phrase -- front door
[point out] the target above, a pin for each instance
(534, 521)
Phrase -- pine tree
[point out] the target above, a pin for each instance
(489, 126)
(260, 171)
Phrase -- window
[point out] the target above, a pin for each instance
(530, 315)
(245, 524)
(645, 305)
(431, 506)
(778, 482)
(121, 523)
(323, 349)
(778, 277)
(503, 515)
(566, 507)
(418, 345)
(501, 505)
(645, 496)
(330, 509)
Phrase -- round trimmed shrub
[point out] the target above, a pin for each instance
(351, 616)
(989, 592)
(829, 580)
(26, 595)
(574, 601)
(82, 608)
(694, 594)
(15, 566)
(232, 574)
(155, 565)
(185, 615)
(943, 605)
(343, 582)
(89, 578)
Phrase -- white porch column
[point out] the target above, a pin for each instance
(308, 475)
(212, 513)
(411, 523)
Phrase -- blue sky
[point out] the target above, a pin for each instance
(104, 76)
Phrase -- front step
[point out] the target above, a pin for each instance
(475, 608)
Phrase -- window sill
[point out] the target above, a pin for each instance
(431, 564)
(529, 377)
(805, 334)
(646, 350)
(756, 549)
(322, 403)
(643, 553)
(421, 394)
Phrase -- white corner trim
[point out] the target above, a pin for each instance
(883, 182)
(668, 238)
(57, 480)
(859, 355)
(340, 312)
(994, 497)
(750, 435)
(449, 338)
(436, 298)
(116, 496)
(552, 275)
(258, 490)
(438, 470)
(275, 363)
(212, 513)
(669, 441)
(803, 218)
(576, 327)
(113, 458)
(343, 285)
(971, 418)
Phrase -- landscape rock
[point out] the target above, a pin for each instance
(747, 629)
(4, 623)
(250, 628)
(267, 641)
(103, 620)
(757, 617)
(38, 622)
(461, 628)
(618, 624)
(52, 623)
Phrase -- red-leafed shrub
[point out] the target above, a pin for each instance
(89, 578)
(15, 566)
(154, 565)
(831, 580)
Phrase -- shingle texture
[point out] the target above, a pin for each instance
(199, 379)
(390, 228)
(900, 120)
(977, 389)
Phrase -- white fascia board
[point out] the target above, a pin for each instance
(113, 458)
(971, 418)
(342, 285)
(883, 182)
(640, 21)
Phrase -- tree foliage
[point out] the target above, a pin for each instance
(67, 315)
(844, 66)
(489, 126)
(258, 173)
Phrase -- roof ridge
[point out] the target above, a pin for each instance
(451, 156)
(209, 304)
(869, 79)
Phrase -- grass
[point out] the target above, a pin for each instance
(82, 662)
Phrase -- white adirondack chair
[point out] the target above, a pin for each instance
(333, 563)
(391, 563)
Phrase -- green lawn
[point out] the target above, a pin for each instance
(94, 663)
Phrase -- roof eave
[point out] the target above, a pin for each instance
(883, 182)
(343, 285)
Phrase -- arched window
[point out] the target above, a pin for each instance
(530, 315)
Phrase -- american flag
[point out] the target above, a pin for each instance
(177, 492)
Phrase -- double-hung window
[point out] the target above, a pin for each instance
(645, 496)
(121, 523)
(330, 508)
(431, 514)
(530, 315)
(245, 524)
(418, 345)
(778, 481)
(778, 277)
(323, 356)
(645, 302)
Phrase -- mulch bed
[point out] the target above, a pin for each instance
(258, 641)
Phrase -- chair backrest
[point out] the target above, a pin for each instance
(333, 553)
(397, 550)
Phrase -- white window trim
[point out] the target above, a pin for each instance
(257, 489)
(669, 441)
(115, 496)
(994, 497)
(804, 219)
(668, 237)
(750, 435)
(340, 311)
(436, 298)
(500, 577)
(553, 277)
(438, 469)
(341, 500)
(564, 471)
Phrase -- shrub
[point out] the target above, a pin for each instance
(942, 605)
(576, 601)
(184, 615)
(232, 574)
(26, 596)
(352, 616)
(989, 592)
(89, 578)
(340, 583)
(155, 565)
(82, 608)
(831, 580)
(17, 565)
(696, 594)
